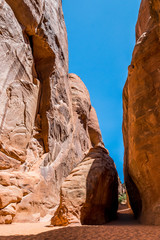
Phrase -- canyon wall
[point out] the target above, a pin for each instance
(141, 122)
(47, 123)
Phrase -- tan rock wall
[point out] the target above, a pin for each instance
(44, 115)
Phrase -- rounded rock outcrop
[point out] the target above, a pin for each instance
(89, 194)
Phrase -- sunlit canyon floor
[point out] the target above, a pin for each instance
(125, 227)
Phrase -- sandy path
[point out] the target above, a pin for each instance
(23, 229)
(125, 228)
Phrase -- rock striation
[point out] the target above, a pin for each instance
(89, 195)
(47, 122)
(141, 122)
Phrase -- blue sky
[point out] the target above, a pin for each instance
(101, 38)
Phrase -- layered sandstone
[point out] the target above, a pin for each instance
(47, 123)
(89, 194)
(141, 125)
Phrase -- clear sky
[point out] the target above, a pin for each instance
(101, 37)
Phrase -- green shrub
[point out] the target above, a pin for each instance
(122, 197)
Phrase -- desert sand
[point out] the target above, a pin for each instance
(125, 227)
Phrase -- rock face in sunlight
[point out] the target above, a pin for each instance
(141, 126)
(47, 123)
(89, 194)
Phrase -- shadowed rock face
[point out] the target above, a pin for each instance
(89, 194)
(47, 123)
(141, 122)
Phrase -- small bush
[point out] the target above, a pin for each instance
(122, 198)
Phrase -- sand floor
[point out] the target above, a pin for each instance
(125, 227)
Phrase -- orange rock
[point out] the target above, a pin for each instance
(89, 194)
(7, 214)
(9, 195)
(141, 128)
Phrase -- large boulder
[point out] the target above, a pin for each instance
(141, 122)
(89, 194)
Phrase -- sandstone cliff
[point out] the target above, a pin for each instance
(141, 125)
(47, 123)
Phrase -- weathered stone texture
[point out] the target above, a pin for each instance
(141, 126)
(47, 123)
(89, 194)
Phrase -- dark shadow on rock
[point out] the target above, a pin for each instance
(101, 190)
(134, 196)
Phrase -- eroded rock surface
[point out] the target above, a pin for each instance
(141, 126)
(89, 194)
(47, 123)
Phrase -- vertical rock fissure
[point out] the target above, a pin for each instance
(44, 60)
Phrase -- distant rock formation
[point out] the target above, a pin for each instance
(89, 195)
(47, 123)
(121, 187)
(122, 194)
(141, 122)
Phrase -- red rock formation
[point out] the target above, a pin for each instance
(47, 123)
(89, 194)
(141, 99)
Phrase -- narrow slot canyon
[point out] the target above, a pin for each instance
(79, 152)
